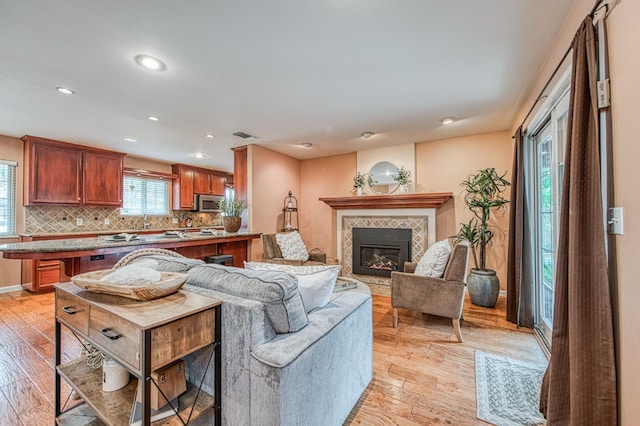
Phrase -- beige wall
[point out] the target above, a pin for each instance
(12, 149)
(270, 177)
(324, 177)
(146, 164)
(624, 34)
(441, 166)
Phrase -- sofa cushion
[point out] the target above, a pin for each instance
(315, 283)
(292, 246)
(276, 290)
(166, 263)
(434, 261)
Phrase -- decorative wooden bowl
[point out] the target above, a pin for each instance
(170, 282)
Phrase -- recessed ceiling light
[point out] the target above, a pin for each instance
(153, 118)
(210, 136)
(447, 120)
(199, 155)
(150, 63)
(65, 91)
(306, 145)
(367, 135)
(128, 139)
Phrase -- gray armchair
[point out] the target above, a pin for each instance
(436, 296)
(272, 253)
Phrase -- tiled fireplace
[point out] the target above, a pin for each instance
(417, 220)
(414, 212)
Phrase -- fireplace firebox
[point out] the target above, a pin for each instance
(380, 251)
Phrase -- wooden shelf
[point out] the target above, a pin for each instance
(431, 200)
(114, 408)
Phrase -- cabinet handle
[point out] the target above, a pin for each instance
(106, 332)
(69, 310)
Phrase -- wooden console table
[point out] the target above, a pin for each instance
(141, 337)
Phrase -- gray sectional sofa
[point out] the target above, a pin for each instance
(281, 365)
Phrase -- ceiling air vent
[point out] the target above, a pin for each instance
(244, 135)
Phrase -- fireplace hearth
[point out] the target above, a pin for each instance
(380, 251)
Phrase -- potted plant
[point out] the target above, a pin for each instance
(484, 193)
(359, 181)
(231, 209)
(403, 178)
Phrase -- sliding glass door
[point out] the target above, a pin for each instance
(548, 144)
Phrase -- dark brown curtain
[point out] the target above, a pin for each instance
(519, 272)
(580, 384)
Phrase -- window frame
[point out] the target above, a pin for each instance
(11, 199)
(144, 211)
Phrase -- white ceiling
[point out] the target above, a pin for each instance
(288, 72)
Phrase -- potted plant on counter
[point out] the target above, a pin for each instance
(231, 209)
(484, 192)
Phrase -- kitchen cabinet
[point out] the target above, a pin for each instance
(60, 173)
(141, 336)
(183, 189)
(208, 182)
(194, 180)
(102, 179)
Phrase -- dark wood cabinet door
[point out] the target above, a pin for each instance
(186, 190)
(55, 174)
(201, 182)
(218, 184)
(102, 183)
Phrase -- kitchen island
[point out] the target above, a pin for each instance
(81, 255)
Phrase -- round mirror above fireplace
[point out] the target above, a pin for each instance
(381, 178)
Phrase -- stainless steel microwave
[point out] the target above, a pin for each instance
(207, 203)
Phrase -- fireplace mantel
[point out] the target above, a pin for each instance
(431, 200)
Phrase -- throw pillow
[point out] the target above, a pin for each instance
(315, 283)
(292, 246)
(434, 261)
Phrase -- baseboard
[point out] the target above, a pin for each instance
(502, 292)
(10, 288)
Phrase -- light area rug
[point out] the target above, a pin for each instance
(508, 390)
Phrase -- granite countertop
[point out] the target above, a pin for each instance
(115, 231)
(101, 242)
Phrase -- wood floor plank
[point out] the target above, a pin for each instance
(7, 415)
(41, 415)
(23, 395)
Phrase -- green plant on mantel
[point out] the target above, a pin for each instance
(232, 207)
(483, 193)
(359, 180)
(403, 177)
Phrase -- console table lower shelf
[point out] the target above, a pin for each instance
(117, 406)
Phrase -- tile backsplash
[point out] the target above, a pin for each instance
(52, 219)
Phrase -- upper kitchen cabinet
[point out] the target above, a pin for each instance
(102, 179)
(67, 174)
(194, 180)
(183, 188)
(209, 182)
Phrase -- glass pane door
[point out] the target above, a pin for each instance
(549, 146)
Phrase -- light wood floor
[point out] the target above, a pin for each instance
(421, 374)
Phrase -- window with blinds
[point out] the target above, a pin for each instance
(7, 197)
(144, 195)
